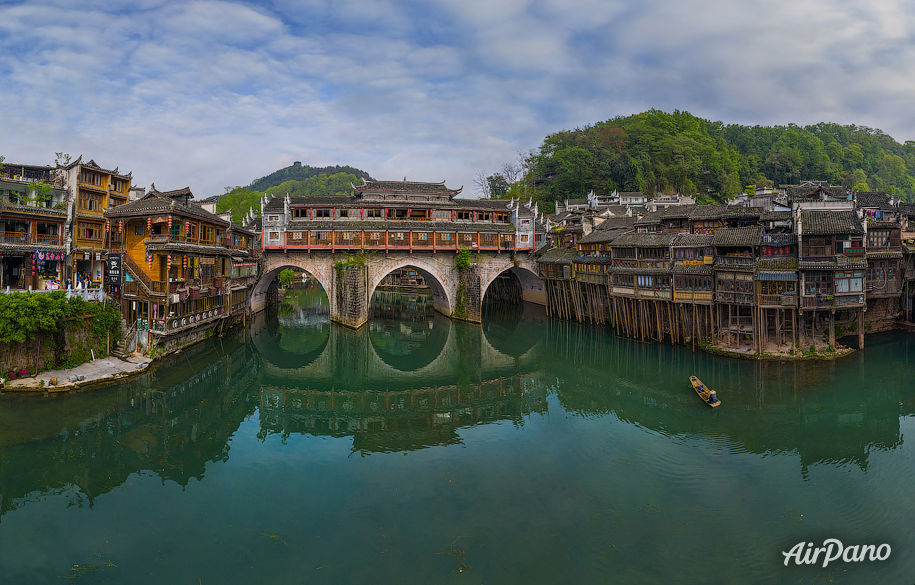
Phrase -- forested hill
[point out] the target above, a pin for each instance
(298, 172)
(294, 180)
(656, 152)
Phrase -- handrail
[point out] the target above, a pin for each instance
(138, 274)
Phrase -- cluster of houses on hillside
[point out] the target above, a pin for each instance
(173, 266)
(797, 268)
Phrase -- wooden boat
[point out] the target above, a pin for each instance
(704, 392)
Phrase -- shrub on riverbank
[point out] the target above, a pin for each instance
(48, 330)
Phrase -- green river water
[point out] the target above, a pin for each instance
(422, 450)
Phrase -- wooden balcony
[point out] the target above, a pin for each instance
(783, 300)
(829, 301)
(648, 293)
(735, 298)
(17, 238)
(694, 296)
(742, 263)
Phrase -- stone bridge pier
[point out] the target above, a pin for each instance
(349, 287)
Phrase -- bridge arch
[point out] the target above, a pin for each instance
(319, 269)
(532, 287)
(437, 278)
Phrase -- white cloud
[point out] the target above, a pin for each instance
(213, 93)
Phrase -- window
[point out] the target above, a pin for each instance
(375, 236)
(274, 235)
(849, 282)
(818, 283)
(373, 213)
(273, 218)
(878, 239)
(523, 238)
(347, 236)
(422, 236)
(525, 222)
(465, 215)
(344, 213)
(441, 214)
(89, 231)
(446, 237)
(138, 230)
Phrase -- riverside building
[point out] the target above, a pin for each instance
(827, 262)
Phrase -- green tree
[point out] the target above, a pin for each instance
(286, 277)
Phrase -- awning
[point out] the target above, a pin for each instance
(783, 276)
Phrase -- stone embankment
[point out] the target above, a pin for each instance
(95, 373)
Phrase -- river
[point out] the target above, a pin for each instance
(423, 450)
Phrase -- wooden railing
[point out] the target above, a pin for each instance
(691, 295)
(17, 238)
(783, 300)
(777, 263)
(739, 298)
(27, 238)
(137, 273)
(827, 301)
(735, 262)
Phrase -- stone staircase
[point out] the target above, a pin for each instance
(120, 350)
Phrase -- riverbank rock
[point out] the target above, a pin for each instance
(54, 381)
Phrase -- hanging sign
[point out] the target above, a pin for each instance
(114, 269)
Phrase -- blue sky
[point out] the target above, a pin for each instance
(213, 93)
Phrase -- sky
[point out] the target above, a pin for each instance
(212, 94)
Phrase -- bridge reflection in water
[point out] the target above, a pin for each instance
(297, 373)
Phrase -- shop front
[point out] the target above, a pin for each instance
(89, 268)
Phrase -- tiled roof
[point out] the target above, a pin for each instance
(907, 208)
(175, 193)
(692, 269)
(406, 187)
(600, 236)
(558, 256)
(815, 193)
(616, 210)
(692, 240)
(644, 240)
(873, 200)
(775, 216)
(614, 223)
(742, 236)
(650, 218)
(155, 203)
(576, 201)
(818, 223)
(247, 231)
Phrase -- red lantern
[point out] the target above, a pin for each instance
(169, 223)
(149, 224)
(120, 227)
(149, 259)
(107, 225)
(169, 262)
(187, 228)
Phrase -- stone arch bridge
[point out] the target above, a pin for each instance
(457, 294)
